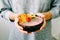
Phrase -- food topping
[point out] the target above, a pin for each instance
(26, 17)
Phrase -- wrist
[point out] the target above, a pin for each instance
(47, 16)
(12, 16)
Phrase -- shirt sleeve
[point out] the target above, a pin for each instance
(5, 9)
(55, 5)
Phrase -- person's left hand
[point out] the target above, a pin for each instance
(18, 26)
(44, 19)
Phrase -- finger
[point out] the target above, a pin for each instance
(37, 30)
(23, 31)
(43, 24)
(40, 14)
(19, 27)
(16, 24)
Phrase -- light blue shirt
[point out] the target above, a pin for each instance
(30, 6)
(34, 6)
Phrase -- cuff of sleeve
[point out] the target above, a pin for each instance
(5, 14)
(54, 12)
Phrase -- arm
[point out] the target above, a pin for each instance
(55, 9)
(7, 13)
(5, 9)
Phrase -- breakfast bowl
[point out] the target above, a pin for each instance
(30, 22)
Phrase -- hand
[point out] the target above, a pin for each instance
(18, 26)
(43, 16)
(46, 16)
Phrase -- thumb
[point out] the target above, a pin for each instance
(16, 23)
(41, 15)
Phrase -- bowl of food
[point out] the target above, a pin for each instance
(30, 22)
